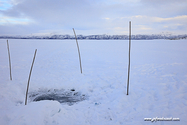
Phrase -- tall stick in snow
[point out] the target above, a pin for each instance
(9, 60)
(129, 57)
(78, 50)
(29, 77)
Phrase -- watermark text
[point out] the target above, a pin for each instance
(161, 119)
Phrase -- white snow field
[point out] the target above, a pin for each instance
(158, 82)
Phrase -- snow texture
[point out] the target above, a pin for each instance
(158, 82)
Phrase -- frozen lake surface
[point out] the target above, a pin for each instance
(158, 82)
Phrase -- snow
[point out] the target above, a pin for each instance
(158, 82)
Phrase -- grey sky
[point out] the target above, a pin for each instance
(26, 17)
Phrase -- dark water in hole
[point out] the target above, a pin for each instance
(59, 98)
(69, 98)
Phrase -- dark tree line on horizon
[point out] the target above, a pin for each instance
(101, 37)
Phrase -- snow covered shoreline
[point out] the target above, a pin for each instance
(158, 82)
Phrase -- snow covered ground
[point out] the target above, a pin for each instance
(158, 82)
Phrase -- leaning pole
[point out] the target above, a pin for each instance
(129, 57)
(78, 50)
(30, 77)
(9, 60)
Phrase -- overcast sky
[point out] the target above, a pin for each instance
(111, 17)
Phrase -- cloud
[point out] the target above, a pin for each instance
(93, 16)
(60, 13)
(142, 24)
(161, 2)
(180, 19)
(14, 21)
(4, 4)
(172, 24)
(164, 8)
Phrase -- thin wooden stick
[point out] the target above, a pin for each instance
(29, 77)
(9, 60)
(129, 57)
(78, 50)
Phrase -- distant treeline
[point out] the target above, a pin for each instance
(100, 37)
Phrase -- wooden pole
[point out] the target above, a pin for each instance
(9, 60)
(29, 77)
(78, 50)
(129, 57)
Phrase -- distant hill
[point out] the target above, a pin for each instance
(101, 37)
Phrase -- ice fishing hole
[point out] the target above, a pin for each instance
(68, 97)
